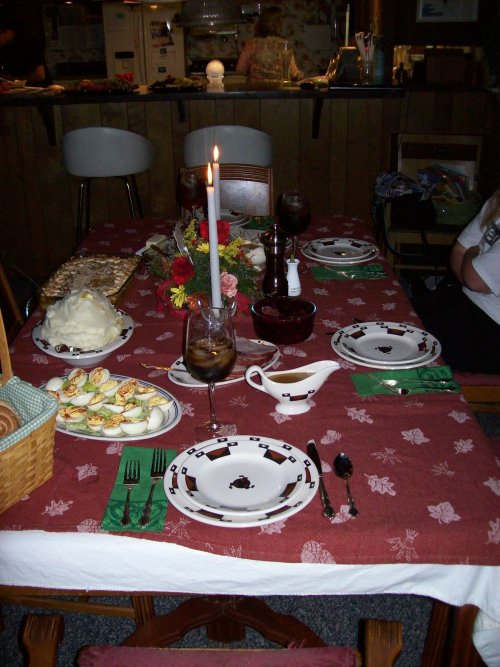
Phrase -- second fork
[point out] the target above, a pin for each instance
(158, 468)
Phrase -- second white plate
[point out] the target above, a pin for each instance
(340, 251)
(386, 345)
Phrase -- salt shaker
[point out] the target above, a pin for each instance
(274, 282)
(292, 277)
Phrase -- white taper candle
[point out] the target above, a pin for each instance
(213, 242)
(216, 182)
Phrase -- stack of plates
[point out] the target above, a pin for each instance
(340, 252)
(241, 482)
(386, 345)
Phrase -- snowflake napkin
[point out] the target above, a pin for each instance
(368, 384)
(138, 495)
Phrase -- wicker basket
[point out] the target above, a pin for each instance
(28, 463)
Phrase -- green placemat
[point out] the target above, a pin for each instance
(366, 383)
(139, 494)
(363, 272)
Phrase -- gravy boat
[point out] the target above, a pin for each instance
(293, 388)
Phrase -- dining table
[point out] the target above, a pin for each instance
(425, 478)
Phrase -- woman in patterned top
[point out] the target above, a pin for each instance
(260, 57)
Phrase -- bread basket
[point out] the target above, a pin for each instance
(27, 454)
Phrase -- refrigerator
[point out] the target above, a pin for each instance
(142, 42)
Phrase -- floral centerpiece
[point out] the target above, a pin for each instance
(186, 271)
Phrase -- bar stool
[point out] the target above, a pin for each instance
(237, 145)
(105, 152)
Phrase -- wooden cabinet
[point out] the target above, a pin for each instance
(336, 169)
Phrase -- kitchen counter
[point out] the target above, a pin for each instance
(233, 91)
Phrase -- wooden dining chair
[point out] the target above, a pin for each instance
(11, 313)
(379, 645)
(244, 187)
(413, 245)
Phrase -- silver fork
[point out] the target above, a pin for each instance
(432, 385)
(158, 468)
(131, 478)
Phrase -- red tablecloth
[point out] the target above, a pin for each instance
(425, 478)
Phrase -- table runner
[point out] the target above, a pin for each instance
(425, 480)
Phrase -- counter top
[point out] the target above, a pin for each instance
(231, 91)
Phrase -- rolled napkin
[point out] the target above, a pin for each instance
(139, 494)
(357, 272)
(9, 419)
(417, 380)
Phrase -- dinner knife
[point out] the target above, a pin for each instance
(328, 511)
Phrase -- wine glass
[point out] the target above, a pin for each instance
(294, 213)
(191, 191)
(210, 355)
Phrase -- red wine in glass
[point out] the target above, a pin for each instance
(295, 215)
(191, 191)
(209, 356)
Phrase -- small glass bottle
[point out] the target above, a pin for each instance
(274, 282)
(292, 277)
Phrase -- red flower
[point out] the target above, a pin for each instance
(162, 297)
(243, 302)
(182, 270)
(223, 231)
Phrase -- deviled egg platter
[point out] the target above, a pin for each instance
(99, 405)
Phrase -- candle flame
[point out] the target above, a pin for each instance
(216, 154)
(209, 174)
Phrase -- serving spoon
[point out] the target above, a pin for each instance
(342, 466)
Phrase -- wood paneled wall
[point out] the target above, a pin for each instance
(336, 170)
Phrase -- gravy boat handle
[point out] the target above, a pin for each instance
(251, 370)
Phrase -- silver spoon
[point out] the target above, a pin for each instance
(343, 469)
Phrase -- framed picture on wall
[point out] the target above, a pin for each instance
(447, 11)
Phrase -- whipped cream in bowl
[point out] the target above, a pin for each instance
(83, 328)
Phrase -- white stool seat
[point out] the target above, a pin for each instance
(237, 144)
(105, 152)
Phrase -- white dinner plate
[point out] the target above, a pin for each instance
(208, 480)
(179, 374)
(89, 358)
(340, 251)
(386, 345)
(233, 217)
(251, 480)
(170, 418)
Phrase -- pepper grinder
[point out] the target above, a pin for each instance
(274, 282)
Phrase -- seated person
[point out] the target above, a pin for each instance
(260, 57)
(21, 54)
(465, 315)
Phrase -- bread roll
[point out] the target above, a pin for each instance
(9, 420)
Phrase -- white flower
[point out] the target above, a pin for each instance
(314, 552)
(415, 436)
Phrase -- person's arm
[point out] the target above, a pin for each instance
(461, 265)
(37, 75)
(295, 72)
(243, 64)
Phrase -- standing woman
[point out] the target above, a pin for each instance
(260, 57)
(465, 316)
